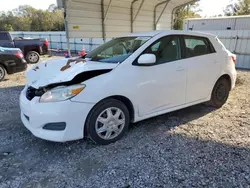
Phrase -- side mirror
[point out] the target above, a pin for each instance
(147, 59)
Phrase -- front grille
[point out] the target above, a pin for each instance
(30, 93)
(33, 92)
(27, 117)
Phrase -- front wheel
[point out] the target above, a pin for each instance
(220, 93)
(107, 122)
(32, 57)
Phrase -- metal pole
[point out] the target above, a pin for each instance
(235, 21)
(178, 7)
(75, 45)
(61, 42)
(138, 10)
(66, 27)
(105, 17)
(50, 42)
(103, 23)
(235, 44)
(90, 44)
(164, 8)
(132, 15)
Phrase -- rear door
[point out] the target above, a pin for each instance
(203, 67)
(6, 40)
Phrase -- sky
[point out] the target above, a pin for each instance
(209, 7)
(213, 7)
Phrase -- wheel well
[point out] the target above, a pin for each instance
(228, 78)
(125, 101)
(27, 50)
(4, 66)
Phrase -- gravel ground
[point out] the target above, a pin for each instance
(194, 147)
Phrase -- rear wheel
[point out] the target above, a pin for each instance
(2, 73)
(220, 93)
(32, 57)
(107, 122)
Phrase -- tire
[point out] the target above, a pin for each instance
(2, 73)
(32, 57)
(112, 127)
(220, 93)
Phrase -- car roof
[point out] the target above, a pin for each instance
(171, 32)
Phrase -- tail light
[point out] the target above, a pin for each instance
(46, 43)
(234, 59)
(19, 55)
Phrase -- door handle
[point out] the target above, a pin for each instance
(179, 69)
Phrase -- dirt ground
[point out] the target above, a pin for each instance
(194, 147)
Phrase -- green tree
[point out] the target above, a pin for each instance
(241, 7)
(8, 27)
(27, 18)
(56, 18)
(190, 11)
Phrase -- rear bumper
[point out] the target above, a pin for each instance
(44, 50)
(234, 78)
(14, 67)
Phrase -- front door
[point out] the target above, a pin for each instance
(162, 85)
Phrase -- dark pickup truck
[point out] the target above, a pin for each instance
(31, 48)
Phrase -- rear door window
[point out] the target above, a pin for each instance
(4, 36)
(197, 46)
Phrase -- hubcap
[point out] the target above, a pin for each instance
(33, 57)
(110, 123)
(221, 92)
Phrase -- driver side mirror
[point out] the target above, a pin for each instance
(147, 59)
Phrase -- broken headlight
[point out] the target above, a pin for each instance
(62, 93)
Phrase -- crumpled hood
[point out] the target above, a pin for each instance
(50, 72)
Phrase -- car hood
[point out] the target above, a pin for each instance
(50, 72)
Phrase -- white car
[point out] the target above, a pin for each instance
(128, 79)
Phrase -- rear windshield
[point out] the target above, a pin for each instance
(4, 36)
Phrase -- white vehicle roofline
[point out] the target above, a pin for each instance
(170, 32)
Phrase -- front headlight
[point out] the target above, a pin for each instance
(62, 93)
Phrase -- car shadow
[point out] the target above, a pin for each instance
(5, 79)
(177, 117)
(168, 120)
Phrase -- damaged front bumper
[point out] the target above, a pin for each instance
(56, 121)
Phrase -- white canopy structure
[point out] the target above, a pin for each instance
(112, 18)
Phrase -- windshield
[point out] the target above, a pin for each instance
(117, 50)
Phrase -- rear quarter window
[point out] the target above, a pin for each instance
(197, 46)
(4, 36)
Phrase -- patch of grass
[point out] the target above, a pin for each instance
(239, 81)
